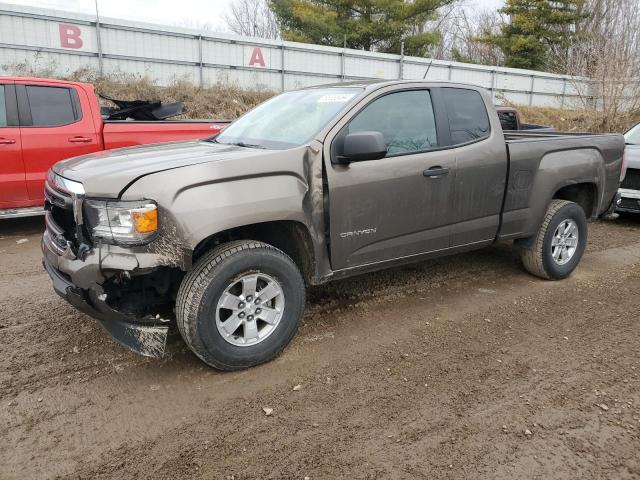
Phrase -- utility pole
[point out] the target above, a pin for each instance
(99, 41)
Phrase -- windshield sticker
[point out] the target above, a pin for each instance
(336, 98)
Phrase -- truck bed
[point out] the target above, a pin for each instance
(124, 133)
(540, 161)
(511, 136)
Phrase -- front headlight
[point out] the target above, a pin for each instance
(122, 223)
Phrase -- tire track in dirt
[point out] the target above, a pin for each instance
(107, 413)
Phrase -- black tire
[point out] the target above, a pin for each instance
(203, 286)
(536, 252)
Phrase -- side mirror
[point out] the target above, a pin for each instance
(362, 146)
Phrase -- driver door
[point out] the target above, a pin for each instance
(393, 207)
(13, 186)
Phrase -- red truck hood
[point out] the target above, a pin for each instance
(108, 173)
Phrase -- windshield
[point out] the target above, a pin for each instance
(632, 137)
(288, 120)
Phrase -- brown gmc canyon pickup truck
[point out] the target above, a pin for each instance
(322, 183)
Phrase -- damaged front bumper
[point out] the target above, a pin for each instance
(145, 335)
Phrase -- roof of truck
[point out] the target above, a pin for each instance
(39, 80)
(379, 83)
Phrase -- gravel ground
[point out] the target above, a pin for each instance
(463, 367)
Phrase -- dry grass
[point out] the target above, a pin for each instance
(218, 102)
(230, 101)
(578, 120)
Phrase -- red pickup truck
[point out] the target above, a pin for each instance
(43, 121)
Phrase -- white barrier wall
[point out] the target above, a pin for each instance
(68, 41)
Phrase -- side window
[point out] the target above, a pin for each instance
(405, 119)
(467, 113)
(508, 120)
(3, 108)
(51, 106)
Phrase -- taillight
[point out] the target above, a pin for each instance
(623, 171)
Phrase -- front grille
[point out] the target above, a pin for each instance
(629, 203)
(632, 179)
(59, 220)
(54, 235)
(57, 197)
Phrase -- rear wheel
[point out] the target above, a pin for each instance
(240, 305)
(557, 248)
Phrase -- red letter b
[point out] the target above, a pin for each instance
(70, 36)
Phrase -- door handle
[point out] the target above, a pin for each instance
(79, 140)
(7, 141)
(435, 172)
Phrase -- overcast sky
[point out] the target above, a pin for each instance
(188, 13)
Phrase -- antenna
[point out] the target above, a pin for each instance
(425, 73)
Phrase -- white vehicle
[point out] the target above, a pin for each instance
(630, 187)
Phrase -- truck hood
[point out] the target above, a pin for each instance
(108, 173)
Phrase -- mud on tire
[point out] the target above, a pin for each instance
(224, 268)
(536, 252)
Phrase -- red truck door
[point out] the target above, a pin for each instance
(13, 189)
(56, 123)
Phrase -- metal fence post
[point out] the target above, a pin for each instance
(282, 67)
(531, 90)
(450, 75)
(493, 86)
(401, 62)
(200, 62)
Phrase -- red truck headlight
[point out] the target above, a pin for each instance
(122, 223)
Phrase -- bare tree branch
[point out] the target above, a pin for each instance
(461, 30)
(607, 52)
(252, 18)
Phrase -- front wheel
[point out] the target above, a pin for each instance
(555, 251)
(240, 305)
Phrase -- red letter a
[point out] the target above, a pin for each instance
(257, 58)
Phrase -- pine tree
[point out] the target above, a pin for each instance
(374, 25)
(538, 31)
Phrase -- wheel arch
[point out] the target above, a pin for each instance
(584, 194)
(290, 236)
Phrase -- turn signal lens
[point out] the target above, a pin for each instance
(145, 220)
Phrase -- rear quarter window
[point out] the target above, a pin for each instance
(52, 106)
(3, 108)
(468, 118)
(508, 120)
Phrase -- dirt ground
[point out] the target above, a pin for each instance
(464, 367)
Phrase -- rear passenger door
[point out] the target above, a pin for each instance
(392, 207)
(13, 189)
(481, 159)
(54, 127)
